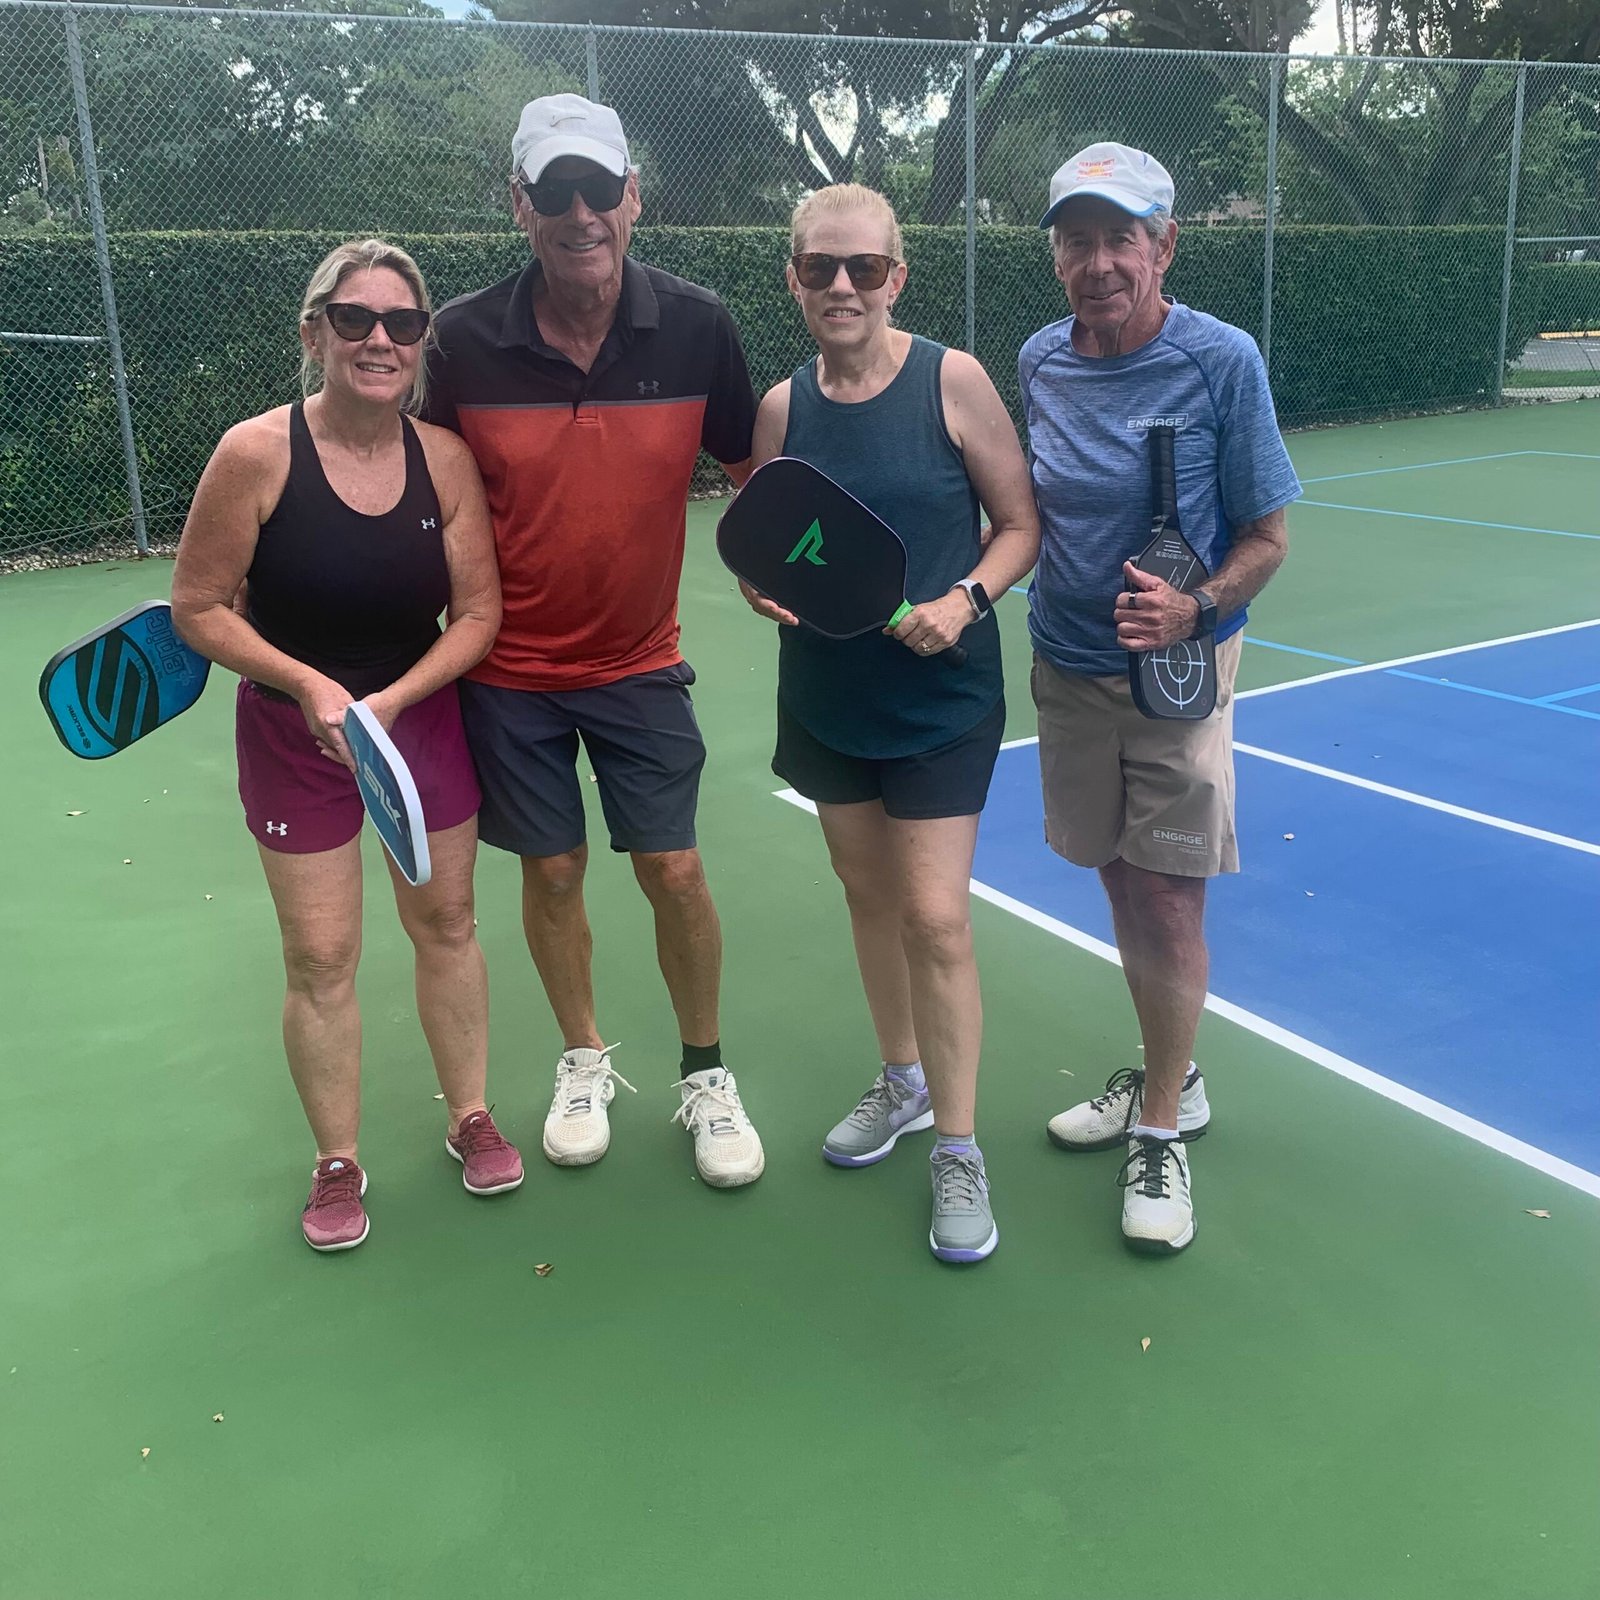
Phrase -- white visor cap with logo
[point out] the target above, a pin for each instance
(567, 125)
(1128, 178)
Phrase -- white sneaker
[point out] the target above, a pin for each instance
(727, 1148)
(1103, 1122)
(1157, 1210)
(577, 1131)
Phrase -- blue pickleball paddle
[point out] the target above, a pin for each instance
(129, 677)
(389, 793)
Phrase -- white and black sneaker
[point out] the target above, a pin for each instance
(1157, 1208)
(1103, 1122)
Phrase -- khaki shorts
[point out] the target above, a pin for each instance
(1117, 783)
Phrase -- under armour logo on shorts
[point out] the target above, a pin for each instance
(649, 386)
(279, 828)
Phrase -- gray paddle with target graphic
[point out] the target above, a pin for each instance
(1177, 683)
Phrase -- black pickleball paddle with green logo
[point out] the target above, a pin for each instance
(802, 541)
(1177, 683)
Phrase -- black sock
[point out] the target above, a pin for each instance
(701, 1057)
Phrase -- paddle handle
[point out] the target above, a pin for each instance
(955, 654)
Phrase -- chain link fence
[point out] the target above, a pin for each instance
(1399, 234)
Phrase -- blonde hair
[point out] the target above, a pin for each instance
(838, 199)
(362, 255)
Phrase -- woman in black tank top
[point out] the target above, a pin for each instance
(324, 541)
(894, 745)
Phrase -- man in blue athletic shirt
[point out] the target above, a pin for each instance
(1147, 803)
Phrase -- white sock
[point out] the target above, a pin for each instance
(1143, 1130)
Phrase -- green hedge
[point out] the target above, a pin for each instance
(1367, 320)
(1567, 294)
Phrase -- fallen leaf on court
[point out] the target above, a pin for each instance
(74, 813)
(543, 1269)
(1288, 836)
(147, 799)
(208, 897)
(217, 1417)
(438, 1097)
(1311, 894)
(592, 778)
(144, 1453)
(127, 861)
(1064, 1073)
(1144, 1344)
(1536, 1213)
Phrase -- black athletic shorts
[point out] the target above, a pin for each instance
(641, 738)
(950, 781)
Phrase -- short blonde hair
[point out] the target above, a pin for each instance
(362, 255)
(838, 199)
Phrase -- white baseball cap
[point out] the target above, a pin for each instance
(567, 125)
(1128, 178)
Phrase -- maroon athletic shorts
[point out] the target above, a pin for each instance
(298, 801)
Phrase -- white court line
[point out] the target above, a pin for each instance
(1376, 666)
(1406, 661)
(1434, 1110)
(1503, 823)
(1420, 466)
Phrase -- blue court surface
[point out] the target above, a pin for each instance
(1431, 929)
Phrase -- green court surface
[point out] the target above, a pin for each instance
(1374, 1375)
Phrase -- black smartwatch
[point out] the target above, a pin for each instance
(978, 598)
(1207, 620)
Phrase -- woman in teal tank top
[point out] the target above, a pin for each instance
(895, 745)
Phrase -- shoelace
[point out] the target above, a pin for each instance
(718, 1104)
(882, 1096)
(336, 1188)
(1153, 1180)
(578, 1085)
(477, 1134)
(958, 1181)
(1128, 1081)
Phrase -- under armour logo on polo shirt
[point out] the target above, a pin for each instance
(430, 522)
(649, 386)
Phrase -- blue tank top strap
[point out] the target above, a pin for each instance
(871, 697)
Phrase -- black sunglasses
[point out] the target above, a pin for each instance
(817, 271)
(552, 197)
(405, 325)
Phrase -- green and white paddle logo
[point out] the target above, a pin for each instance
(809, 547)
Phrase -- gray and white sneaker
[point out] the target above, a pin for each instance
(1157, 1208)
(963, 1223)
(888, 1109)
(1103, 1122)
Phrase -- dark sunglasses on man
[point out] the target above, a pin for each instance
(552, 197)
(817, 271)
(404, 325)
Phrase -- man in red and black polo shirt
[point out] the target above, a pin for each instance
(585, 386)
